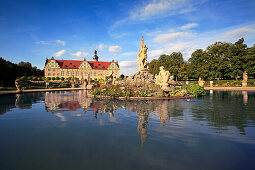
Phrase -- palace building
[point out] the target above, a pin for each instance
(81, 69)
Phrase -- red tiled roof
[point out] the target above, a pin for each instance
(77, 63)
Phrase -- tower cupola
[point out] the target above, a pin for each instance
(95, 57)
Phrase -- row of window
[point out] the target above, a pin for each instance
(59, 70)
(72, 73)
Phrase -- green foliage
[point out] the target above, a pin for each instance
(12, 71)
(34, 78)
(97, 92)
(29, 77)
(69, 78)
(48, 78)
(62, 78)
(144, 93)
(196, 90)
(220, 60)
(53, 78)
(127, 93)
(122, 76)
(57, 78)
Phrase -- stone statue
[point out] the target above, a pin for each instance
(163, 78)
(142, 57)
(85, 83)
(245, 79)
(201, 82)
(72, 82)
(20, 83)
(109, 79)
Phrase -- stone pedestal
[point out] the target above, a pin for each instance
(165, 87)
(244, 84)
(211, 83)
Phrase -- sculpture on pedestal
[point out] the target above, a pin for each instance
(109, 79)
(20, 83)
(245, 79)
(142, 57)
(163, 78)
(201, 82)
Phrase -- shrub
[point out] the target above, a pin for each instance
(69, 78)
(43, 78)
(64, 85)
(62, 78)
(29, 78)
(127, 93)
(53, 78)
(48, 78)
(142, 93)
(97, 92)
(57, 78)
(196, 90)
(34, 78)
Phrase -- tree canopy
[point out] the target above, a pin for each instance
(221, 60)
(10, 71)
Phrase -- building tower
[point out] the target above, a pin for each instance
(95, 57)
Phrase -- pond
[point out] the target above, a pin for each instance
(68, 130)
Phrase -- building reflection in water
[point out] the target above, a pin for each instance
(66, 101)
(213, 114)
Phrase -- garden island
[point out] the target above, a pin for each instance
(144, 85)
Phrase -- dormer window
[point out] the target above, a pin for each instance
(95, 66)
(74, 66)
(103, 66)
(71, 63)
(65, 65)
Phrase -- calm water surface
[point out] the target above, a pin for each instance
(67, 130)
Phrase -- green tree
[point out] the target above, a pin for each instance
(218, 57)
(154, 67)
(238, 58)
(198, 65)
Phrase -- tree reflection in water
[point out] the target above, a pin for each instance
(219, 110)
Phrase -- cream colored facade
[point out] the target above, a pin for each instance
(83, 70)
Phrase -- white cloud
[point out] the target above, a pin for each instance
(155, 53)
(59, 53)
(128, 67)
(188, 26)
(238, 33)
(115, 49)
(159, 7)
(79, 54)
(42, 42)
(51, 42)
(101, 47)
(186, 48)
(61, 42)
(169, 37)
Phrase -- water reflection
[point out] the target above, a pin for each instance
(219, 111)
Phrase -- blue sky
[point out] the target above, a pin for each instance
(35, 30)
